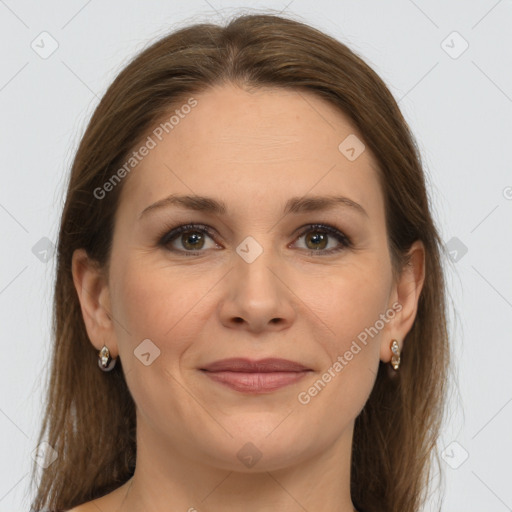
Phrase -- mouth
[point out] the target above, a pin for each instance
(249, 376)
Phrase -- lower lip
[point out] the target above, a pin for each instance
(247, 382)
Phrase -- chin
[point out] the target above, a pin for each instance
(265, 448)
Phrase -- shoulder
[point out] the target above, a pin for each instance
(109, 502)
(90, 506)
(84, 507)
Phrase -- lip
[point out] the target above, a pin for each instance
(238, 364)
(255, 376)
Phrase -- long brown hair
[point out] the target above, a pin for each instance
(90, 416)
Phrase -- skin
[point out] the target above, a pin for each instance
(253, 150)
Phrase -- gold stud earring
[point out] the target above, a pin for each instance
(395, 357)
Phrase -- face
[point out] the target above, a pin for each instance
(268, 273)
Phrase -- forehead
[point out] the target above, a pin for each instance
(252, 142)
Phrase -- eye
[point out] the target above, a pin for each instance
(191, 237)
(316, 238)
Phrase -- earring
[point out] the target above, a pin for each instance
(105, 362)
(395, 358)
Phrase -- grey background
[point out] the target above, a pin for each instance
(459, 106)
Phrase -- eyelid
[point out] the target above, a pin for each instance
(322, 226)
(171, 233)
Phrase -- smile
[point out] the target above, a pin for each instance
(261, 376)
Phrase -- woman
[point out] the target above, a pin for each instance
(248, 253)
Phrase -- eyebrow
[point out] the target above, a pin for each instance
(293, 205)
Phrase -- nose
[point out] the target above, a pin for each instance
(257, 297)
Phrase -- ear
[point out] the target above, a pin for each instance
(93, 293)
(404, 296)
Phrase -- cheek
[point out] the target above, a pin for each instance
(158, 304)
(347, 310)
(349, 301)
(154, 304)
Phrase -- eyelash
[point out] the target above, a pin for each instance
(171, 235)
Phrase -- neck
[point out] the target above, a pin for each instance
(172, 479)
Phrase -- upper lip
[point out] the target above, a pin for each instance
(255, 366)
